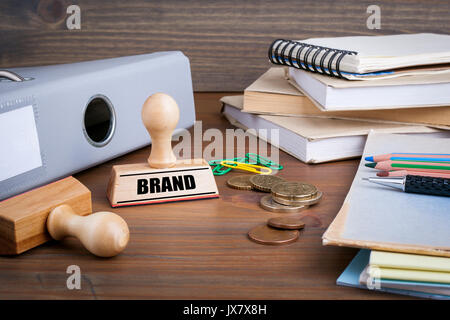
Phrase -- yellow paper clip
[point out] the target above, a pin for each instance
(246, 167)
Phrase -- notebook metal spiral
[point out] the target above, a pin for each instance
(277, 55)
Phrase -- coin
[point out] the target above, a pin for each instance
(264, 182)
(290, 223)
(301, 202)
(293, 191)
(268, 204)
(266, 235)
(241, 182)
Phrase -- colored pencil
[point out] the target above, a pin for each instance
(410, 166)
(402, 173)
(409, 156)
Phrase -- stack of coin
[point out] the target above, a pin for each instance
(295, 194)
(268, 204)
(286, 197)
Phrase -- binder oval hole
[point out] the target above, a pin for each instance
(99, 121)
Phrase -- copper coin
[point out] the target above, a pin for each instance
(293, 190)
(241, 182)
(264, 182)
(289, 223)
(266, 235)
(301, 202)
(268, 204)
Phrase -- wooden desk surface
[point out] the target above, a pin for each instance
(197, 249)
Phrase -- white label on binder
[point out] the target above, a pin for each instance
(19, 143)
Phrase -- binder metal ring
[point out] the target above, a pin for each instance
(11, 76)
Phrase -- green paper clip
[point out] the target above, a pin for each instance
(219, 170)
(263, 161)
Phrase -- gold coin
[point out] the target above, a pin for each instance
(300, 202)
(241, 182)
(268, 204)
(264, 182)
(266, 235)
(293, 191)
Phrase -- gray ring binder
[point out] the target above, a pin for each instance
(57, 100)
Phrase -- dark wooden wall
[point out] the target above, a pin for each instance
(226, 41)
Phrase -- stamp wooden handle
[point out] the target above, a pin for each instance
(104, 234)
(160, 115)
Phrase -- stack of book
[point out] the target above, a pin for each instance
(329, 93)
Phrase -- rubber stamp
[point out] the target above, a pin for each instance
(163, 178)
(55, 211)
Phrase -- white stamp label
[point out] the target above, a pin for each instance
(19, 143)
(166, 185)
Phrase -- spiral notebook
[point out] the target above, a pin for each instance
(366, 57)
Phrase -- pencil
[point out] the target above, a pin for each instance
(409, 156)
(402, 173)
(410, 166)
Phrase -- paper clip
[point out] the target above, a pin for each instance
(219, 169)
(246, 166)
(250, 158)
(263, 161)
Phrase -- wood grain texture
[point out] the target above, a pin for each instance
(198, 249)
(226, 41)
